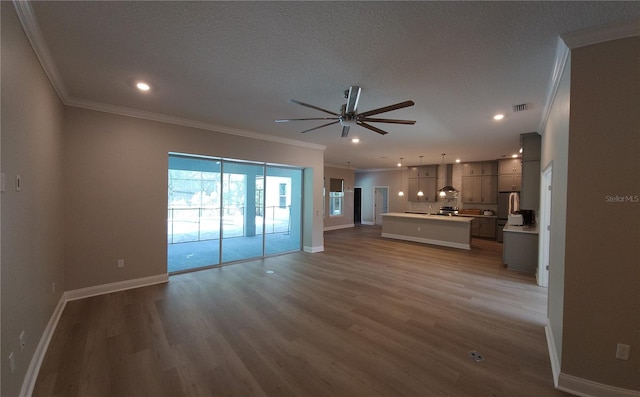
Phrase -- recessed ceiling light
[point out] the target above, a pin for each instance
(498, 117)
(520, 150)
(355, 140)
(142, 86)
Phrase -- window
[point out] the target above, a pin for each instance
(283, 195)
(336, 195)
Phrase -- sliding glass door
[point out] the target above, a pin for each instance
(283, 210)
(193, 219)
(224, 211)
(242, 209)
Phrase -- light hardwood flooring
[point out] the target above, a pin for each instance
(366, 317)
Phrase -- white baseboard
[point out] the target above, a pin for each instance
(313, 250)
(586, 388)
(367, 223)
(114, 287)
(579, 386)
(553, 353)
(36, 361)
(339, 227)
(31, 375)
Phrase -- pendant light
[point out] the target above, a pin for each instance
(420, 192)
(400, 193)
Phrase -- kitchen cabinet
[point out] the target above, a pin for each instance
(530, 192)
(483, 227)
(531, 146)
(510, 178)
(480, 168)
(520, 248)
(510, 166)
(428, 171)
(480, 189)
(428, 186)
(509, 183)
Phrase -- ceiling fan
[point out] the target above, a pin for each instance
(349, 115)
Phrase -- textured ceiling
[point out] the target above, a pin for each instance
(235, 64)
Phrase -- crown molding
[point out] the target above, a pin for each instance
(34, 34)
(140, 114)
(602, 33)
(559, 63)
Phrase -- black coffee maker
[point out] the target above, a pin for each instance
(528, 217)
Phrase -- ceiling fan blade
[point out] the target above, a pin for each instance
(315, 128)
(372, 128)
(312, 118)
(345, 131)
(313, 107)
(387, 109)
(391, 121)
(353, 98)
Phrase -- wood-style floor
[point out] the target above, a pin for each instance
(366, 317)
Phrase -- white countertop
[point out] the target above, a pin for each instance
(532, 229)
(438, 218)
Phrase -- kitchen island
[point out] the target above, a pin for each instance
(449, 231)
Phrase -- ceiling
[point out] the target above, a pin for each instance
(236, 64)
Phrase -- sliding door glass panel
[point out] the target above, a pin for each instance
(242, 211)
(283, 210)
(193, 219)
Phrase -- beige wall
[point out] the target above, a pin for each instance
(116, 190)
(555, 148)
(32, 246)
(602, 264)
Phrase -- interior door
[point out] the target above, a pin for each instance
(380, 203)
(545, 229)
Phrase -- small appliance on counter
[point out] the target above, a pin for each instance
(515, 220)
(528, 217)
(488, 213)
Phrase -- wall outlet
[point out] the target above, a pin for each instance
(23, 341)
(120, 263)
(12, 362)
(622, 352)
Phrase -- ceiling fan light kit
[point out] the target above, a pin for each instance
(349, 116)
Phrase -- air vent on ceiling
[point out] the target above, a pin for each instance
(520, 108)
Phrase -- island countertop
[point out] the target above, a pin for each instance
(438, 218)
(449, 231)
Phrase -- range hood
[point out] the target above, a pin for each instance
(448, 191)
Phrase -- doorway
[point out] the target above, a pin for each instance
(357, 205)
(380, 203)
(545, 228)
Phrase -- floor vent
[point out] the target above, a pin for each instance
(475, 356)
(520, 108)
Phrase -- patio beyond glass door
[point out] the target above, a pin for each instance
(242, 209)
(223, 211)
(193, 219)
